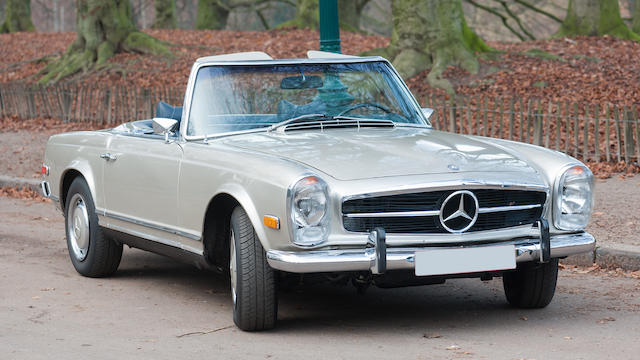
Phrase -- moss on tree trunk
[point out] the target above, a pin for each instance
(17, 17)
(104, 27)
(212, 14)
(165, 14)
(431, 34)
(595, 18)
(307, 15)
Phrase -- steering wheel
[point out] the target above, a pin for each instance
(365, 104)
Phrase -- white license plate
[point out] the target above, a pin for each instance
(465, 260)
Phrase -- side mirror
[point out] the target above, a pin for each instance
(164, 126)
(427, 112)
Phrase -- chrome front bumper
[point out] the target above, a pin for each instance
(403, 257)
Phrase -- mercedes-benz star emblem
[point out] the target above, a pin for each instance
(459, 211)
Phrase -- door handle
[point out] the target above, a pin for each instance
(108, 157)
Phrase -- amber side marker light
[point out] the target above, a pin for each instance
(272, 221)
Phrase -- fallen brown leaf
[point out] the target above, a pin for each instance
(606, 320)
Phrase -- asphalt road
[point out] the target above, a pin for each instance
(156, 308)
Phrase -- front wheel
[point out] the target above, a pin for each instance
(253, 284)
(531, 285)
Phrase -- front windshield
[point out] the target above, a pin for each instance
(240, 97)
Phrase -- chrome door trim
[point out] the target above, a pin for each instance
(157, 239)
(166, 229)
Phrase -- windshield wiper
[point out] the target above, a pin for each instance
(301, 118)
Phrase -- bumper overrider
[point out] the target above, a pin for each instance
(378, 258)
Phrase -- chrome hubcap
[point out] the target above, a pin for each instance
(78, 227)
(233, 272)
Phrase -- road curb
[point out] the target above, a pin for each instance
(609, 258)
(16, 182)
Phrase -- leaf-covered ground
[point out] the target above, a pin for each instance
(585, 69)
(21, 54)
(592, 70)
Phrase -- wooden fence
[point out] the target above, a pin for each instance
(86, 103)
(598, 132)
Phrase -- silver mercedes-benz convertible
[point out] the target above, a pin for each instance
(325, 165)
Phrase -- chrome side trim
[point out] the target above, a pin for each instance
(54, 198)
(403, 258)
(437, 212)
(149, 225)
(158, 239)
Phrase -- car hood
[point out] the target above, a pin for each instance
(351, 154)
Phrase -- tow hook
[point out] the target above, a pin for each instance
(378, 240)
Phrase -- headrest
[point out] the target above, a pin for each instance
(164, 110)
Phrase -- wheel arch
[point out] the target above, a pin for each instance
(67, 177)
(216, 220)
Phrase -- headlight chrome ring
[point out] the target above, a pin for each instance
(573, 198)
(308, 204)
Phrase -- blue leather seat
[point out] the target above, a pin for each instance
(164, 110)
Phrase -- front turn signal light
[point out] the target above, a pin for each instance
(272, 221)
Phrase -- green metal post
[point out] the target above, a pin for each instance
(329, 26)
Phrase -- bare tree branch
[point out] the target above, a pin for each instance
(498, 14)
(538, 10)
(516, 18)
(263, 20)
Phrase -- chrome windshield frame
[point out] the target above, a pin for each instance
(186, 110)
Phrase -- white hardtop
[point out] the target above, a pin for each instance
(259, 56)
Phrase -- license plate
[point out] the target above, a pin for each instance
(465, 260)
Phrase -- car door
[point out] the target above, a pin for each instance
(140, 184)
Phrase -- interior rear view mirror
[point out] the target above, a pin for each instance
(301, 82)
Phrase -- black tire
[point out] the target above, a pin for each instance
(532, 285)
(101, 255)
(255, 305)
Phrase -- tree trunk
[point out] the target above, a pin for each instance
(165, 14)
(595, 18)
(104, 27)
(17, 17)
(635, 25)
(431, 34)
(307, 16)
(212, 14)
(350, 12)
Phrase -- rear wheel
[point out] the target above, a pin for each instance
(253, 284)
(531, 285)
(92, 254)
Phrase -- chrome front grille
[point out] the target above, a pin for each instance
(419, 212)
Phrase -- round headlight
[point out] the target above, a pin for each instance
(309, 207)
(573, 200)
